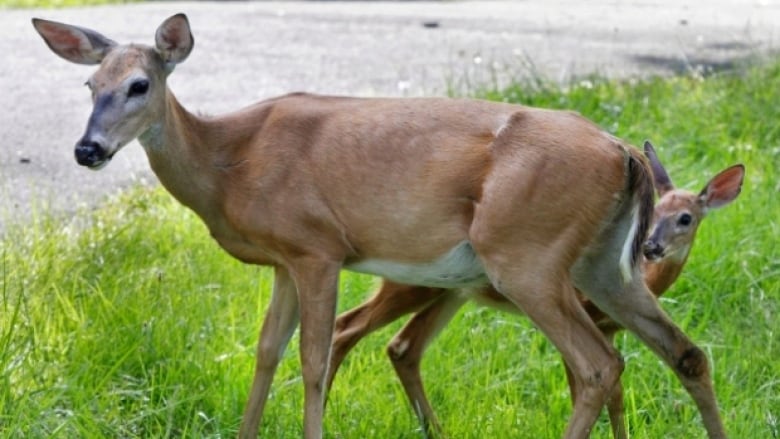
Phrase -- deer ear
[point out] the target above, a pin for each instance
(723, 188)
(174, 39)
(661, 180)
(75, 44)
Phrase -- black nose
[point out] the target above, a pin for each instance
(652, 250)
(89, 153)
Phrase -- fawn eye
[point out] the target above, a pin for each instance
(685, 219)
(138, 88)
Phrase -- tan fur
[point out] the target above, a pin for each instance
(435, 306)
(309, 184)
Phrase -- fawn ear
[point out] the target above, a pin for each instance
(661, 180)
(723, 188)
(174, 39)
(75, 44)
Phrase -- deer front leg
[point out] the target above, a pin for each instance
(407, 348)
(317, 282)
(392, 301)
(278, 326)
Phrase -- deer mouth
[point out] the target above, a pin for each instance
(653, 251)
(98, 165)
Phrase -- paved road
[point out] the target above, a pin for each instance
(246, 51)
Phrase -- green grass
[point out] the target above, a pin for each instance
(129, 321)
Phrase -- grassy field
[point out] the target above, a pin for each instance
(128, 321)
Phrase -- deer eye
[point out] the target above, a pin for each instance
(685, 219)
(138, 88)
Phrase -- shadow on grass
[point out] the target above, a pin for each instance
(732, 55)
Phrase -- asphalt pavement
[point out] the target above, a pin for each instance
(248, 51)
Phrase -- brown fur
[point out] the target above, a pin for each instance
(638, 175)
(407, 347)
(310, 184)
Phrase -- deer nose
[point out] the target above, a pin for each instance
(90, 153)
(653, 250)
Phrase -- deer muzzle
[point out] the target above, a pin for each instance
(653, 250)
(91, 154)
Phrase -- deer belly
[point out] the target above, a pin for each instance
(459, 267)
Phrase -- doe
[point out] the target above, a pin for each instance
(444, 193)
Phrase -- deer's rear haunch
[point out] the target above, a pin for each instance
(678, 214)
(433, 192)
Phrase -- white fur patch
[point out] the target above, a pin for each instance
(626, 270)
(457, 268)
(501, 127)
(679, 255)
(152, 138)
(399, 349)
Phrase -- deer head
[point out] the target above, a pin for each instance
(679, 212)
(129, 87)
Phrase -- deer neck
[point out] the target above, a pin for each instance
(177, 156)
(188, 153)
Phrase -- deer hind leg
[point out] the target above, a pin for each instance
(537, 280)
(630, 303)
(594, 364)
(637, 310)
(407, 348)
(392, 301)
(615, 407)
(280, 322)
(616, 411)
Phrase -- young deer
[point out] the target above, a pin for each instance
(445, 193)
(678, 214)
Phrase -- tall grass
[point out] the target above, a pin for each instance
(128, 321)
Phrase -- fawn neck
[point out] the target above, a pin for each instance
(660, 275)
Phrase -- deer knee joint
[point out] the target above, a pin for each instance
(397, 349)
(692, 363)
(607, 377)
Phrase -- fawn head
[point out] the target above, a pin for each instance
(679, 212)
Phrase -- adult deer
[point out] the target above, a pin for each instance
(677, 216)
(436, 192)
